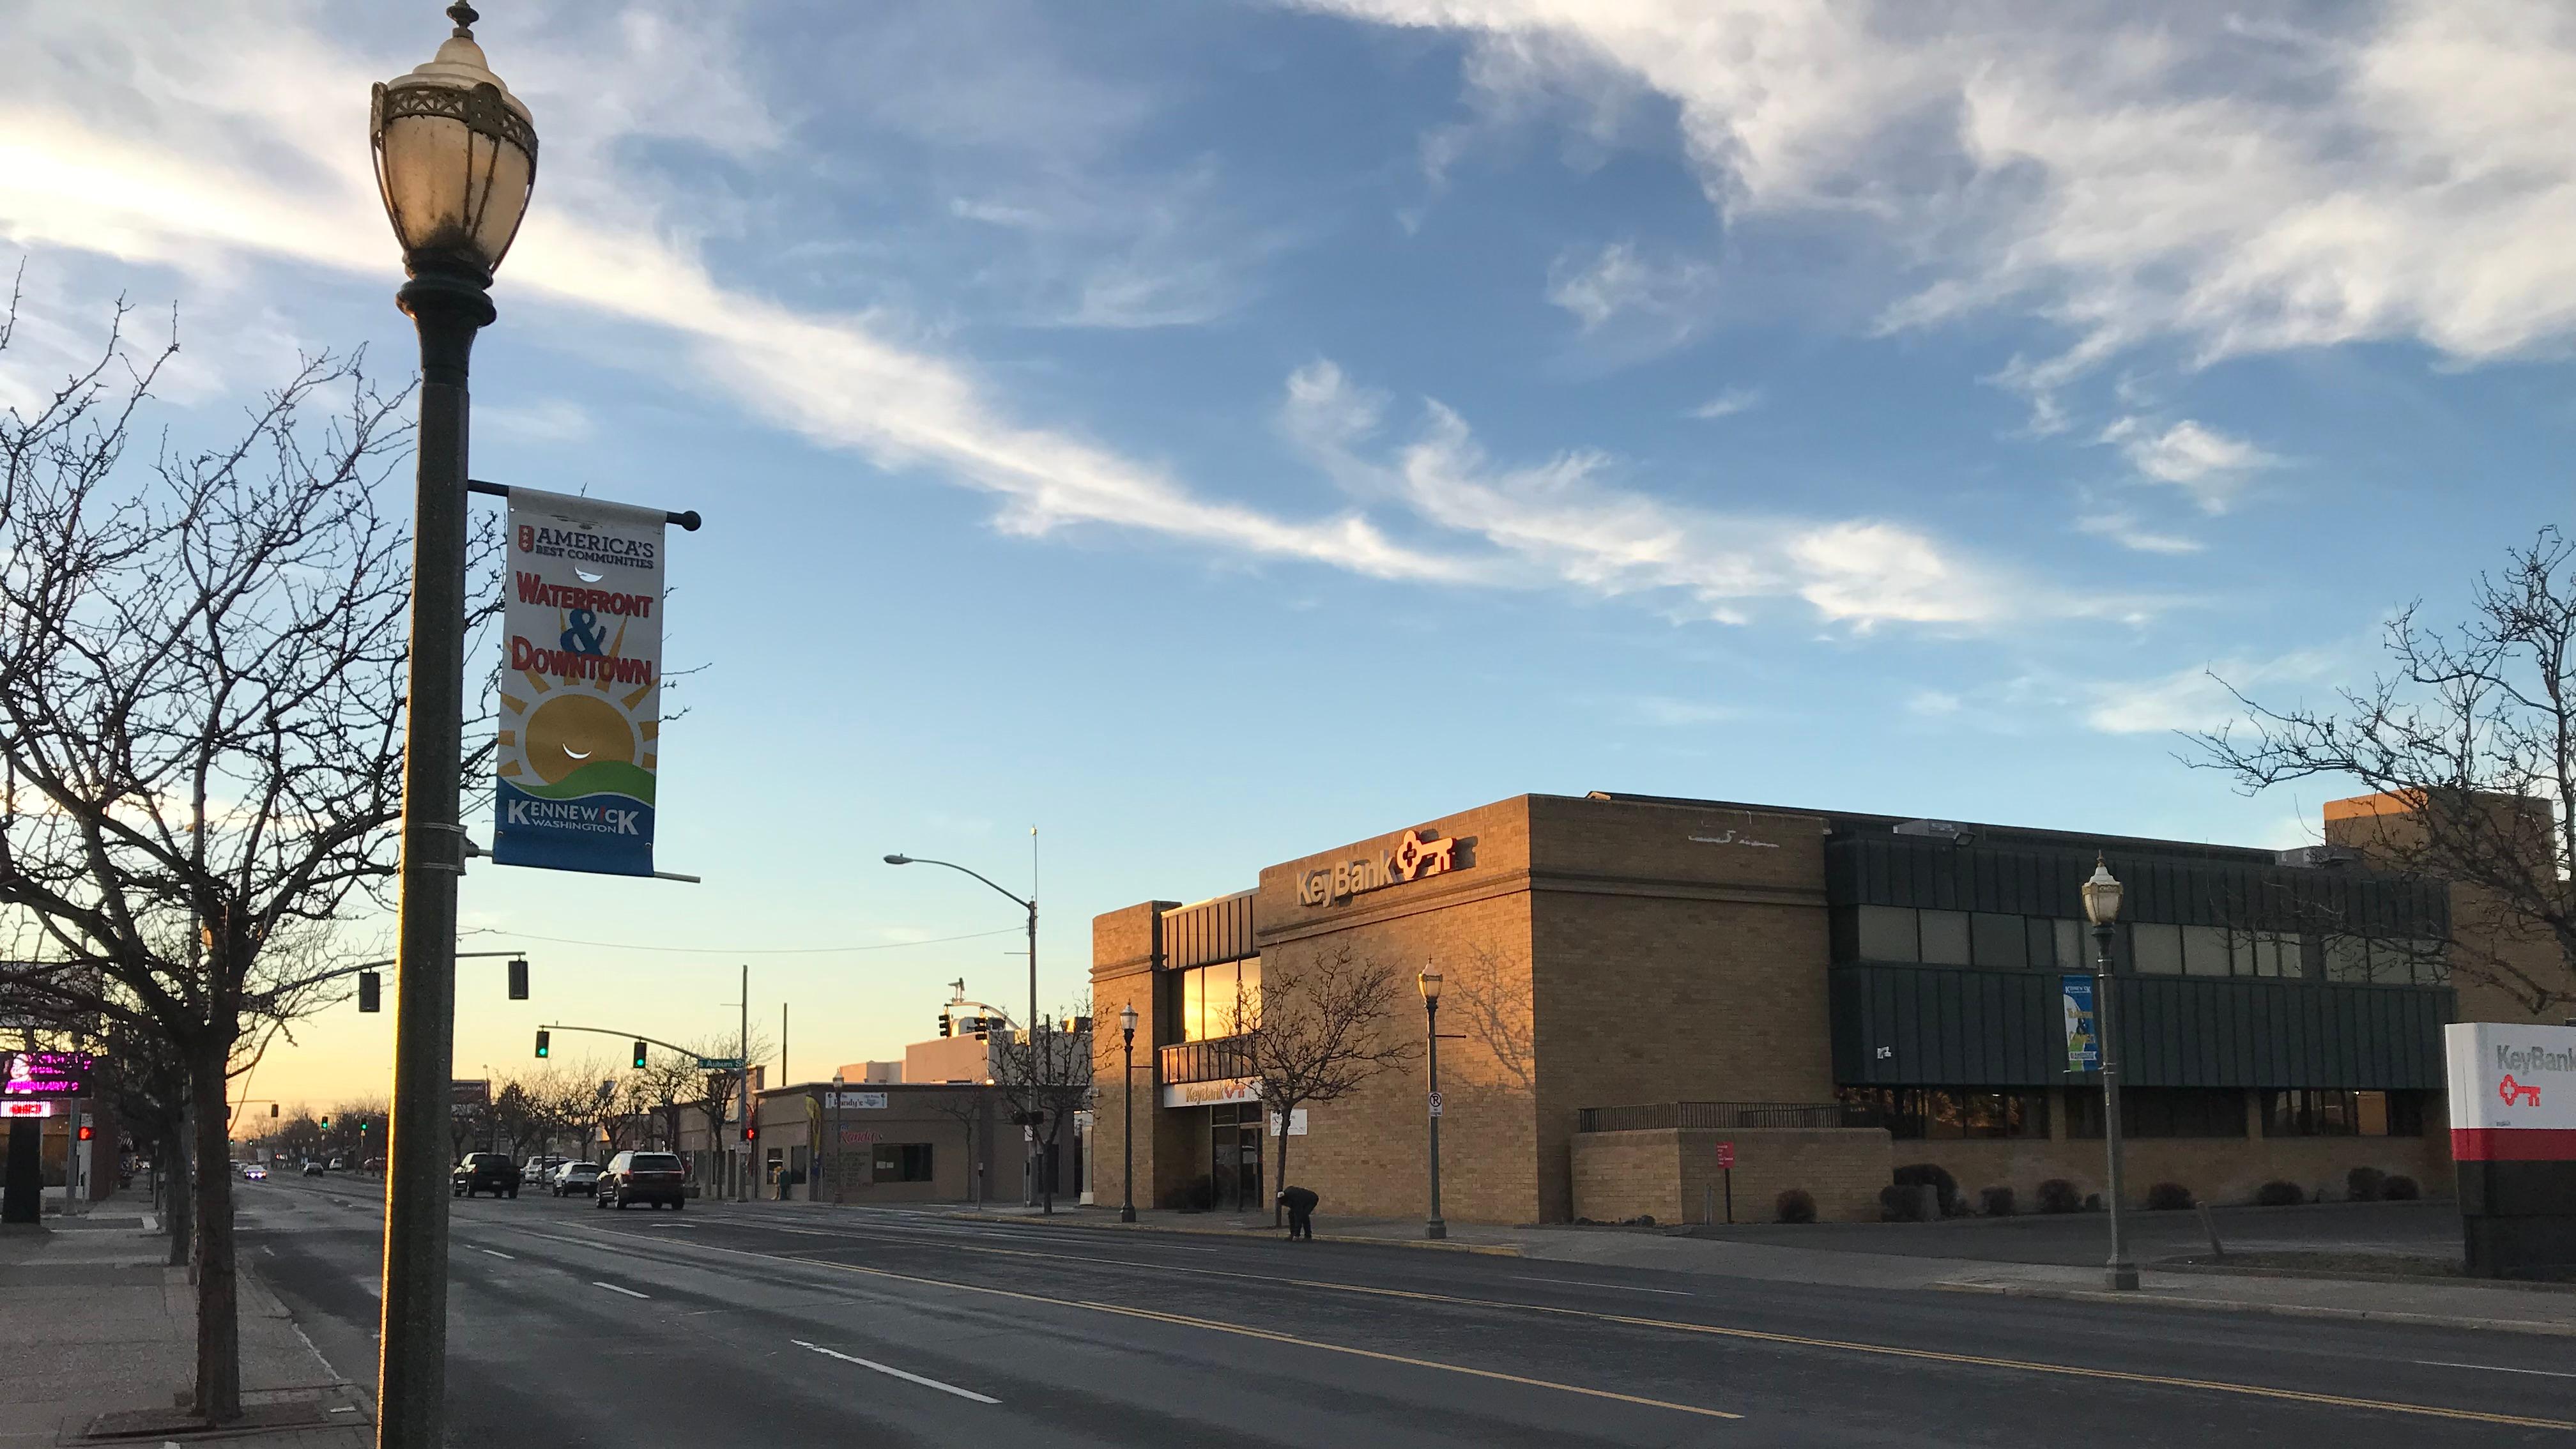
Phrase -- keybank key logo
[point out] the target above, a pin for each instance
(2514, 1092)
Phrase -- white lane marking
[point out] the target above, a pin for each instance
(497, 1253)
(1620, 1287)
(2496, 1368)
(896, 1372)
(613, 1288)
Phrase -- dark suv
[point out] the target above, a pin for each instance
(485, 1172)
(654, 1177)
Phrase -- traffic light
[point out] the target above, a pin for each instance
(639, 1056)
(364, 1127)
(519, 981)
(944, 1026)
(545, 1042)
(87, 1132)
(371, 991)
(272, 1109)
(750, 1133)
(326, 1121)
(981, 1024)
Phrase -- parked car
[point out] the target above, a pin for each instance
(577, 1177)
(654, 1177)
(313, 1169)
(539, 1172)
(338, 1164)
(483, 1172)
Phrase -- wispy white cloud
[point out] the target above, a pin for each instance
(1728, 403)
(545, 420)
(2236, 179)
(2124, 529)
(1564, 520)
(2200, 698)
(2208, 465)
(252, 163)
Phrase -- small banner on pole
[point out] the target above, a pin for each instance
(581, 685)
(2083, 1041)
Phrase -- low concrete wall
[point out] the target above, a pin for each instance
(1670, 1173)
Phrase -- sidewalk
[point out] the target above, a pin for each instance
(92, 1324)
(2444, 1303)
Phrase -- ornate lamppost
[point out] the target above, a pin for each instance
(1429, 981)
(2102, 908)
(456, 158)
(1127, 1137)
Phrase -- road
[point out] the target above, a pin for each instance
(746, 1324)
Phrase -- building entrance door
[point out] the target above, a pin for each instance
(1234, 1152)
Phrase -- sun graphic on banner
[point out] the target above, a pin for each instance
(562, 728)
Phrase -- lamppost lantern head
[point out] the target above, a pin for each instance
(1127, 1019)
(1429, 981)
(2101, 895)
(456, 156)
(898, 860)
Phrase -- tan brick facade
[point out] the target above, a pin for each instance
(1598, 952)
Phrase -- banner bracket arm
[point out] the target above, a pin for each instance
(688, 520)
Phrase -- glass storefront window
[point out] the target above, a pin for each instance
(2204, 951)
(1999, 941)
(1216, 1001)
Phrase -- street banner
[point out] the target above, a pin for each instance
(2513, 1092)
(2083, 1040)
(581, 685)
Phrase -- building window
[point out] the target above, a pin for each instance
(2205, 951)
(2001, 941)
(2161, 1112)
(2324, 1112)
(1887, 934)
(1945, 938)
(903, 1162)
(2266, 953)
(2387, 962)
(2158, 949)
(1212, 1001)
(1952, 1114)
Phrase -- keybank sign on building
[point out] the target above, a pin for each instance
(1892, 988)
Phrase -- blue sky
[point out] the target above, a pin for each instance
(1216, 432)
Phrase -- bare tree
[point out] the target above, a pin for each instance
(661, 1089)
(2472, 732)
(1318, 1034)
(201, 715)
(1046, 1077)
(719, 1091)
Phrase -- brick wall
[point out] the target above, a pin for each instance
(1671, 1173)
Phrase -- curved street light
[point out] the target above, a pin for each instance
(456, 160)
(1030, 905)
(2102, 893)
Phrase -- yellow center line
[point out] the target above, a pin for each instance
(1755, 1335)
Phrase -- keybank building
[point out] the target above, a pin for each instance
(1630, 982)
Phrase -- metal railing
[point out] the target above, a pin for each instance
(1648, 1116)
(1215, 1060)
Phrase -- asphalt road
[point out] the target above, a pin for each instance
(745, 1325)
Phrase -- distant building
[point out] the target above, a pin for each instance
(871, 1072)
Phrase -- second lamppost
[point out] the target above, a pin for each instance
(2102, 908)
(1429, 980)
(1127, 1134)
(456, 157)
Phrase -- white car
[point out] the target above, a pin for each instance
(254, 1173)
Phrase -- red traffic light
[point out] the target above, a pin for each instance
(87, 1132)
(750, 1134)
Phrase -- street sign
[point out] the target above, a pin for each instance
(1435, 1104)
(719, 1064)
(464, 1094)
(855, 1101)
(1726, 1154)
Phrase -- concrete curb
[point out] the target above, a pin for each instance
(1493, 1250)
(2280, 1310)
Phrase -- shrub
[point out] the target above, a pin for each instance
(2057, 1195)
(1794, 1206)
(1900, 1203)
(1996, 1202)
(1933, 1175)
(2092, 1202)
(2399, 1188)
(2278, 1193)
(2363, 1184)
(2167, 1197)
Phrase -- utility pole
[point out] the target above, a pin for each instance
(742, 1085)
